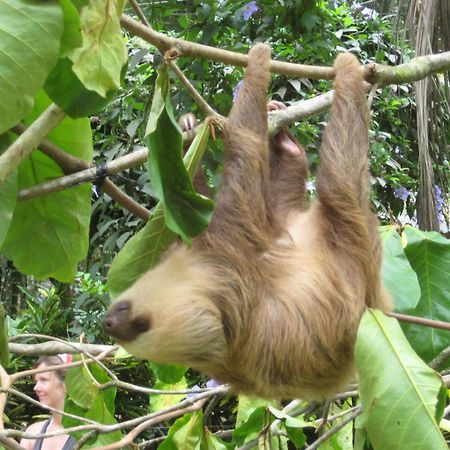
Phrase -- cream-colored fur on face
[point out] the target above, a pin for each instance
(269, 298)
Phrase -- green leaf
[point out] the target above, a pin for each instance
(247, 405)
(294, 426)
(251, 428)
(140, 253)
(8, 192)
(161, 401)
(4, 352)
(187, 213)
(80, 387)
(168, 373)
(71, 37)
(400, 394)
(144, 249)
(429, 256)
(185, 434)
(396, 267)
(99, 61)
(100, 413)
(67, 91)
(211, 442)
(56, 225)
(8, 197)
(29, 45)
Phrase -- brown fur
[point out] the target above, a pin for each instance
(269, 298)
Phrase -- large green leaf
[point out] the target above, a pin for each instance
(48, 235)
(29, 45)
(8, 196)
(144, 249)
(161, 401)
(140, 253)
(168, 373)
(67, 91)
(429, 256)
(185, 434)
(4, 351)
(87, 400)
(401, 396)
(187, 213)
(398, 275)
(99, 61)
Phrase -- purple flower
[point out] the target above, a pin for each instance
(439, 203)
(194, 394)
(369, 13)
(249, 9)
(402, 193)
(438, 197)
(212, 383)
(236, 90)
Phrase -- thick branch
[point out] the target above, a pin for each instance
(70, 164)
(55, 348)
(186, 48)
(29, 140)
(416, 69)
(277, 120)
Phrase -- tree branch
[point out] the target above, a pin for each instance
(417, 69)
(69, 164)
(186, 48)
(421, 321)
(29, 140)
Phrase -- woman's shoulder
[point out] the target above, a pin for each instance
(35, 427)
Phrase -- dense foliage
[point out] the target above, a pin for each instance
(57, 249)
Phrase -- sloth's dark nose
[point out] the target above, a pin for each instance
(120, 324)
(116, 318)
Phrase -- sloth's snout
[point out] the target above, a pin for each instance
(121, 325)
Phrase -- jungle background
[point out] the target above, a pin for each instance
(58, 245)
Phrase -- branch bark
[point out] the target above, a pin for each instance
(28, 141)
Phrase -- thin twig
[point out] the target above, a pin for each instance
(139, 13)
(335, 429)
(421, 321)
(199, 100)
(28, 141)
(440, 359)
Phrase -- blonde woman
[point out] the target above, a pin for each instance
(51, 391)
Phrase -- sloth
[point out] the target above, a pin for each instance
(270, 296)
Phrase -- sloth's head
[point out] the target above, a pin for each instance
(167, 316)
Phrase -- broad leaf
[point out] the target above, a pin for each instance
(185, 434)
(55, 225)
(168, 373)
(8, 196)
(29, 45)
(161, 401)
(187, 213)
(293, 425)
(4, 352)
(429, 255)
(401, 396)
(100, 413)
(252, 427)
(406, 294)
(67, 91)
(140, 253)
(144, 249)
(99, 61)
(71, 37)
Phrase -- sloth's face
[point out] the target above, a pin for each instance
(167, 317)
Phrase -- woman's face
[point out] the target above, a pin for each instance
(49, 388)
